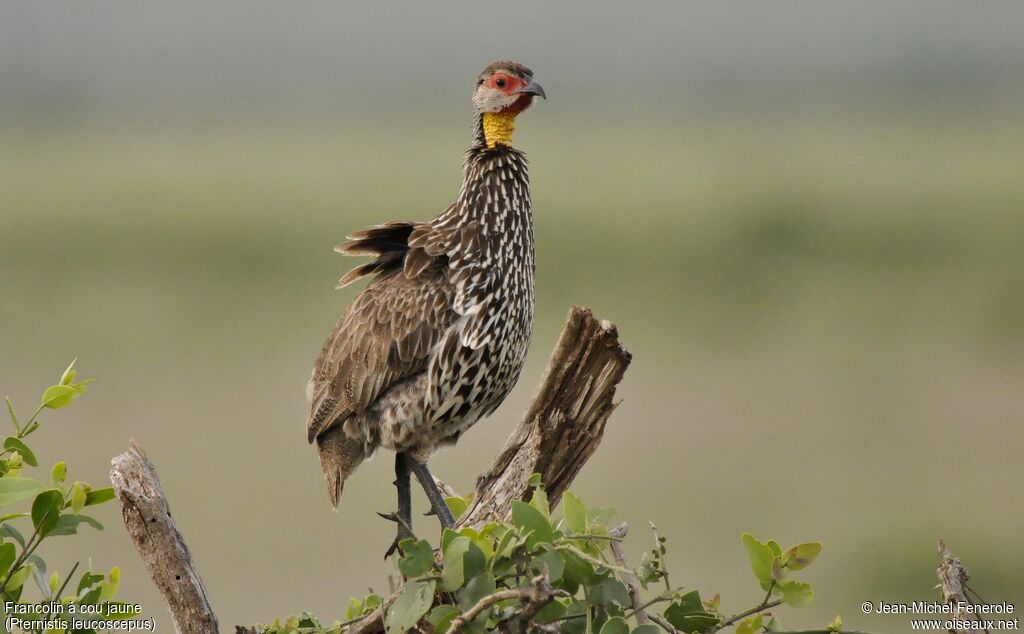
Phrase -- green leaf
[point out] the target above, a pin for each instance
(39, 574)
(578, 570)
(58, 473)
(575, 625)
(539, 501)
(69, 524)
(507, 544)
(9, 531)
(7, 556)
(46, 511)
(530, 519)
(447, 536)
(462, 561)
(69, 374)
(372, 601)
(418, 558)
(10, 411)
(600, 516)
(610, 592)
(18, 578)
(99, 496)
(797, 593)
(554, 563)
(750, 626)
(575, 513)
(534, 480)
(778, 572)
(615, 625)
(88, 581)
(441, 617)
(801, 556)
(550, 612)
(15, 489)
(761, 557)
(836, 624)
(476, 588)
(77, 498)
(410, 606)
(647, 628)
(14, 444)
(58, 396)
(688, 614)
(456, 505)
(776, 548)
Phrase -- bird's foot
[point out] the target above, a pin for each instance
(404, 532)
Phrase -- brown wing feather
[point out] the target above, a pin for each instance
(387, 332)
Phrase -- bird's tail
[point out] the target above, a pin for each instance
(340, 456)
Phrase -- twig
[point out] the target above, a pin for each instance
(30, 547)
(593, 560)
(661, 568)
(538, 594)
(732, 620)
(663, 622)
(67, 579)
(632, 585)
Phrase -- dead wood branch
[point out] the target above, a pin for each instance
(953, 579)
(147, 517)
(563, 426)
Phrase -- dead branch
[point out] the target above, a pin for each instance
(563, 426)
(559, 432)
(632, 585)
(147, 517)
(953, 579)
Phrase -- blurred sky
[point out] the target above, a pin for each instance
(193, 57)
(806, 219)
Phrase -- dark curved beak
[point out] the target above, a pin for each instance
(533, 88)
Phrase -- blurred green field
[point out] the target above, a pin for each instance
(826, 311)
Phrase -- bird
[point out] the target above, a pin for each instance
(438, 337)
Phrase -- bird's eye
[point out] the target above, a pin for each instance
(500, 83)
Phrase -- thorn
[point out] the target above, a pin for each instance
(429, 513)
(391, 517)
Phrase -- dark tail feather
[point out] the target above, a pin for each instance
(389, 242)
(340, 456)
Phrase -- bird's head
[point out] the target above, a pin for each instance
(503, 90)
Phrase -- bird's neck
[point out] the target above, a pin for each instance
(493, 130)
(498, 128)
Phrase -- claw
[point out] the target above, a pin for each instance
(393, 548)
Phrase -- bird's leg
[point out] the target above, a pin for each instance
(437, 503)
(403, 517)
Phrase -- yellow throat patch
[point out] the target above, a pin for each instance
(498, 128)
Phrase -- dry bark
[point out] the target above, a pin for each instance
(559, 432)
(953, 579)
(147, 517)
(564, 424)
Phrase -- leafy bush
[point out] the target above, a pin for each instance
(56, 511)
(536, 573)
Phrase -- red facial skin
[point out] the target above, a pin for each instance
(512, 84)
